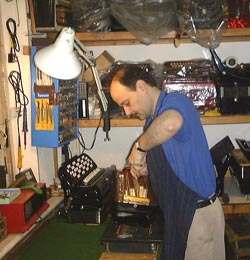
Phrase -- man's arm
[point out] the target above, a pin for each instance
(162, 128)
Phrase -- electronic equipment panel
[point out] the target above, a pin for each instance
(54, 107)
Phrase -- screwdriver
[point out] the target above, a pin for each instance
(25, 126)
(19, 154)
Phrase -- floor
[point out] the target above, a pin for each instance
(13, 240)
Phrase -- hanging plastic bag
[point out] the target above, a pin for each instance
(90, 15)
(147, 20)
(203, 21)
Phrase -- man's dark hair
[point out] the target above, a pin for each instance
(129, 74)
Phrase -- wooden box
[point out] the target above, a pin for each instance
(238, 235)
(240, 168)
(127, 256)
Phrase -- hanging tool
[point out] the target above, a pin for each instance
(25, 126)
(19, 154)
(15, 79)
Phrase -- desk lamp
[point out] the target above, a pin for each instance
(64, 59)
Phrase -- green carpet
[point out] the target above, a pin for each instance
(64, 241)
(59, 240)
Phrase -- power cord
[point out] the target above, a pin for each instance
(15, 79)
(82, 142)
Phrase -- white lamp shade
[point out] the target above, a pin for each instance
(59, 59)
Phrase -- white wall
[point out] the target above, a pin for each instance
(121, 138)
(115, 151)
(10, 10)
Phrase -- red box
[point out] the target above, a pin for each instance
(24, 211)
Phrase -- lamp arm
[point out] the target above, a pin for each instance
(88, 58)
(84, 54)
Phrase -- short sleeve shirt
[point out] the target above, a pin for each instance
(188, 152)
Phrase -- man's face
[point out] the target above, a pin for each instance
(134, 102)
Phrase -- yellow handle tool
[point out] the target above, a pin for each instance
(19, 158)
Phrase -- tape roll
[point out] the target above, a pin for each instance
(231, 62)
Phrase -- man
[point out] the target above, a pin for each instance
(174, 151)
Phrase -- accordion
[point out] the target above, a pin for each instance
(135, 202)
(136, 226)
(89, 191)
(193, 78)
(133, 191)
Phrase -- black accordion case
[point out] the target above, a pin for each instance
(89, 191)
(133, 238)
(233, 90)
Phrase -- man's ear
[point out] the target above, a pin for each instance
(140, 85)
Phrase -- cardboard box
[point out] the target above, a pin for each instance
(103, 63)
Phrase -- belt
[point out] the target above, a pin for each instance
(204, 203)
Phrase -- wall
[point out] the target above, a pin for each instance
(115, 151)
(121, 138)
(10, 10)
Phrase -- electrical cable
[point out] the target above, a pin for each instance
(13, 34)
(15, 79)
(82, 142)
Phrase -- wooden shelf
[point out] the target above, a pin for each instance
(221, 120)
(133, 122)
(117, 122)
(120, 38)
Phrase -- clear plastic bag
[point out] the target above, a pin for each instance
(238, 13)
(90, 15)
(147, 20)
(203, 21)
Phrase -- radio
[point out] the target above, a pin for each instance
(24, 211)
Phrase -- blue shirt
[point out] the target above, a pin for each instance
(188, 152)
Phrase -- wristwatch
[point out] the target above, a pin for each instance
(137, 145)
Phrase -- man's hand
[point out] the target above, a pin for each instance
(137, 162)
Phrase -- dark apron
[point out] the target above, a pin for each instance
(177, 202)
